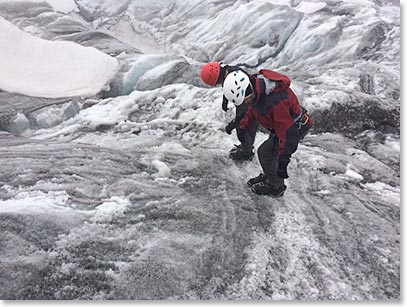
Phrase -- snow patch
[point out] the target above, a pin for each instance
(110, 209)
(108, 112)
(324, 192)
(163, 169)
(173, 148)
(354, 175)
(37, 67)
(310, 7)
(392, 143)
(64, 6)
(280, 2)
(28, 1)
(37, 202)
(389, 193)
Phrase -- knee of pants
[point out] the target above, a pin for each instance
(262, 150)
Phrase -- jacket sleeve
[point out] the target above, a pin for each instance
(241, 111)
(286, 131)
(248, 119)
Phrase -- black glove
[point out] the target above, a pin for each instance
(225, 104)
(282, 170)
(230, 127)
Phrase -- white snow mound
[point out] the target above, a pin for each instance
(36, 67)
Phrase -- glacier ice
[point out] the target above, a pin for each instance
(19, 124)
(129, 194)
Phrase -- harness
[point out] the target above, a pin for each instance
(302, 122)
(301, 119)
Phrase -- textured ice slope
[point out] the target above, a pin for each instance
(134, 196)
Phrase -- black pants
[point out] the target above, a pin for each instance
(246, 138)
(267, 153)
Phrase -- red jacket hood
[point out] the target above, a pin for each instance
(283, 81)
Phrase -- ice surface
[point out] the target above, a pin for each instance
(132, 195)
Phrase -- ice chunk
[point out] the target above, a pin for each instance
(163, 169)
(162, 75)
(353, 175)
(19, 124)
(139, 68)
(55, 115)
(114, 207)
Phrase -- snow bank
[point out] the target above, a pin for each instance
(37, 67)
(37, 202)
(64, 6)
(309, 7)
(306, 7)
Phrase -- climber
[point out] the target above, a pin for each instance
(214, 73)
(275, 106)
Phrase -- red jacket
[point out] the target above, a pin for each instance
(277, 111)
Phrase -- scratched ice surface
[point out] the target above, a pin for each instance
(129, 193)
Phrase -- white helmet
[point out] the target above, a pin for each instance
(235, 86)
